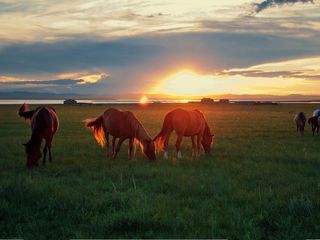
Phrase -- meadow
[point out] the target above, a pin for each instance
(262, 182)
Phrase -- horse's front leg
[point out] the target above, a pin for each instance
(108, 147)
(45, 149)
(113, 145)
(194, 146)
(118, 146)
(131, 148)
(178, 144)
(199, 138)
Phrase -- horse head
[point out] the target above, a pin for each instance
(207, 140)
(148, 148)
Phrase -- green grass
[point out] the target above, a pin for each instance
(263, 181)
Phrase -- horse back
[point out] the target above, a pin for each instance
(45, 120)
(187, 123)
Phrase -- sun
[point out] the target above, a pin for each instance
(186, 83)
(143, 100)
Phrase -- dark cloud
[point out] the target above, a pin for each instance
(44, 82)
(258, 7)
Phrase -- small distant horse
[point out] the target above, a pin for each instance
(300, 120)
(186, 124)
(44, 124)
(123, 125)
(314, 122)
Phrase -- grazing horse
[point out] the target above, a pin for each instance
(186, 124)
(314, 122)
(300, 120)
(123, 125)
(44, 124)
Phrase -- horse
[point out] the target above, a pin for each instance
(300, 120)
(186, 124)
(44, 124)
(121, 125)
(314, 122)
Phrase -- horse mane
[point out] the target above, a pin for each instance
(25, 112)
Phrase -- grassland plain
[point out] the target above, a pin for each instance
(263, 181)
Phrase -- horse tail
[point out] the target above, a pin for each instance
(310, 120)
(96, 126)
(25, 112)
(160, 139)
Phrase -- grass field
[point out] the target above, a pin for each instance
(263, 181)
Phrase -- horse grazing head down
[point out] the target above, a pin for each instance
(207, 140)
(148, 149)
(33, 154)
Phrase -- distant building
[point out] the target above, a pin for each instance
(223, 100)
(70, 102)
(207, 101)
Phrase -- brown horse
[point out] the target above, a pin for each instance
(123, 125)
(44, 124)
(186, 124)
(314, 122)
(300, 120)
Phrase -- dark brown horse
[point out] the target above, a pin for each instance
(300, 120)
(44, 124)
(121, 125)
(314, 122)
(186, 124)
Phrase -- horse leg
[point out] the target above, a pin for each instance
(113, 145)
(130, 148)
(178, 143)
(194, 151)
(108, 144)
(199, 138)
(166, 144)
(45, 149)
(118, 146)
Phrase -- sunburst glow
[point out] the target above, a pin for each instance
(186, 83)
(143, 100)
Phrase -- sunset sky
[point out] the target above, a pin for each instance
(179, 47)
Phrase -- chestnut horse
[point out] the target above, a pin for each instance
(186, 124)
(300, 120)
(44, 124)
(123, 125)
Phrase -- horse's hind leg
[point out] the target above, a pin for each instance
(178, 144)
(49, 144)
(45, 149)
(166, 144)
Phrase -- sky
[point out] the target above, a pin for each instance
(180, 48)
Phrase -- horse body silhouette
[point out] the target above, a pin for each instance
(121, 125)
(186, 124)
(314, 122)
(44, 124)
(300, 120)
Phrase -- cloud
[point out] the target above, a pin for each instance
(304, 68)
(259, 7)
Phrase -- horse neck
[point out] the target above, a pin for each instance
(140, 132)
(36, 138)
(207, 129)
